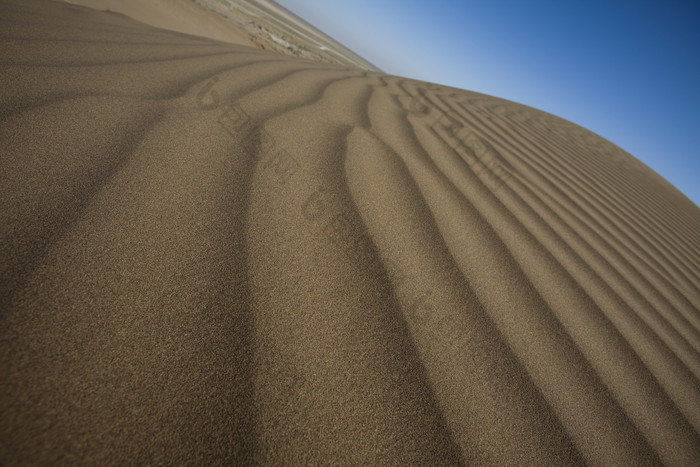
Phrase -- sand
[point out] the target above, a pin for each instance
(263, 24)
(185, 16)
(213, 254)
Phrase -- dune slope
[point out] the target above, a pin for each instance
(211, 254)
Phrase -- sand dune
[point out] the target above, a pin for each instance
(185, 16)
(212, 254)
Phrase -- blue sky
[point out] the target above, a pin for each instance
(629, 71)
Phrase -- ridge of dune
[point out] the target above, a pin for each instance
(184, 16)
(211, 254)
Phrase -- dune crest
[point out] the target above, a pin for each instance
(211, 253)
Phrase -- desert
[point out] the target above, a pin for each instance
(212, 253)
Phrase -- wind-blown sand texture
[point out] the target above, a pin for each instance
(186, 16)
(212, 254)
(263, 24)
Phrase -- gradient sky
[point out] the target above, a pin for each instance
(627, 70)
